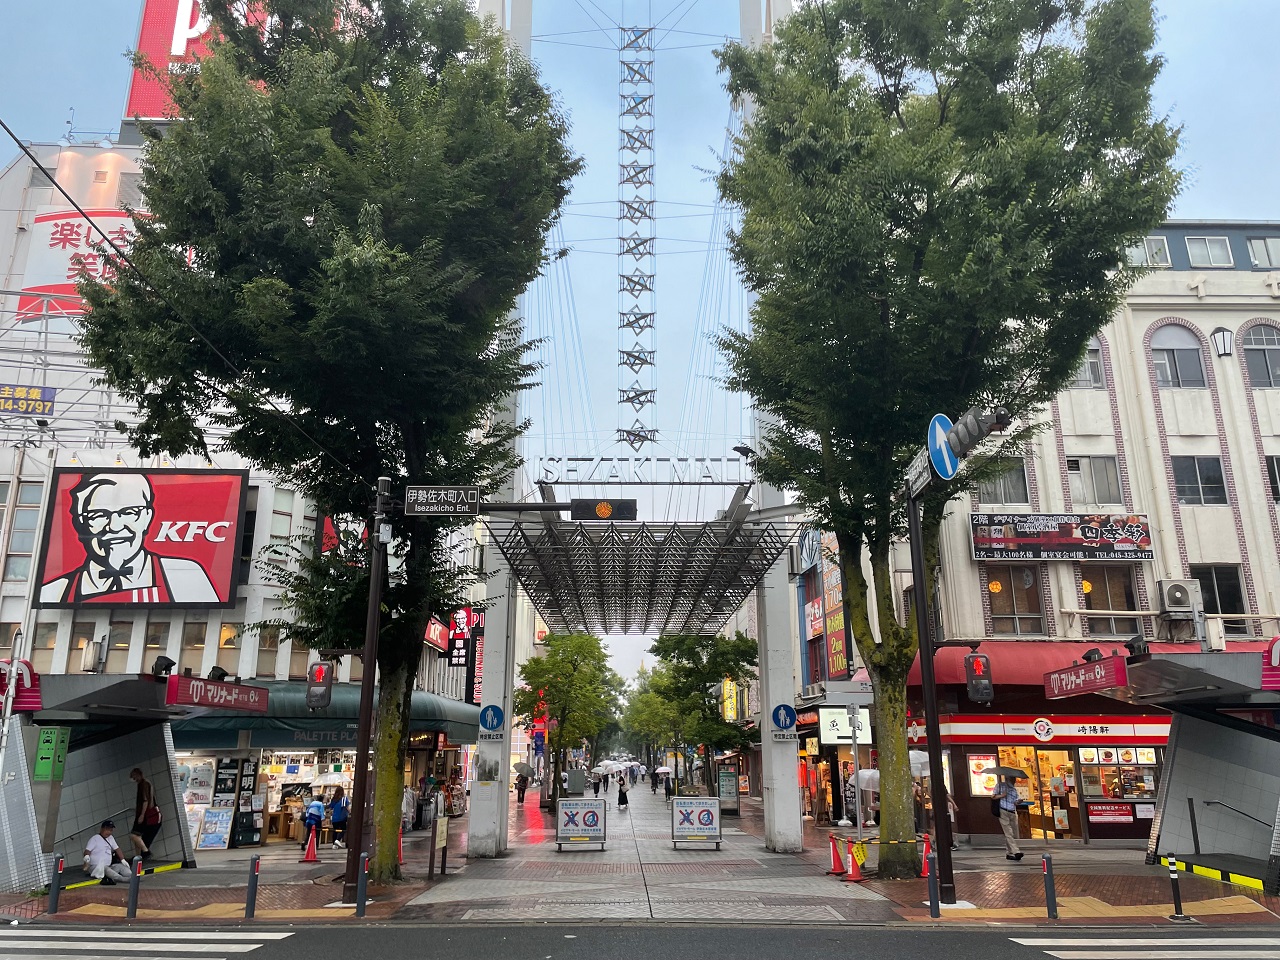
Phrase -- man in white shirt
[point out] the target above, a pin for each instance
(99, 856)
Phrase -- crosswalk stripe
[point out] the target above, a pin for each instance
(97, 952)
(1147, 941)
(139, 934)
(1172, 954)
(176, 946)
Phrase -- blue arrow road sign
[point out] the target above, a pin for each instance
(491, 717)
(944, 461)
(784, 716)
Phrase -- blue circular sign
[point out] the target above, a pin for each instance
(491, 717)
(945, 463)
(784, 716)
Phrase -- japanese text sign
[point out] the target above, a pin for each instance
(26, 401)
(194, 692)
(441, 501)
(695, 818)
(1105, 674)
(1061, 536)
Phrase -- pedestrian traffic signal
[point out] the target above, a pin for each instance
(602, 510)
(319, 684)
(974, 427)
(977, 677)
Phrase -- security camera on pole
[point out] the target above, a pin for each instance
(946, 444)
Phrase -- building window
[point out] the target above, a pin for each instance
(157, 642)
(1209, 252)
(299, 657)
(1273, 474)
(229, 648)
(281, 523)
(1265, 252)
(22, 539)
(1262, 355)
(1176, 353)
(1093, 480)
(268, 645)
(1010, 486)
(1199, 480)
(1089, 376)
(1015, 599)
(1110, 587)
(42, 647)
(129, 191)
(246, 534)
(1220, 587)
(192, 655)
(118, 637)
(1152, 252)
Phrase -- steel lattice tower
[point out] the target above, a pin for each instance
(637, 237)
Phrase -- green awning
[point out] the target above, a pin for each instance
(287, 712)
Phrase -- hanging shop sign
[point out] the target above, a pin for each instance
(1108, 673)
(835, 728)
(437, 635)
(51, 754)
(464, 621)
(122, 537)
(813, 617)
(193, 692)
(1061, 536)
(833, 605)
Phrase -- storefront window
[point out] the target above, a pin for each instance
(118, 638)
(229, 648)
(1014, 590)
(192, 647)
(42, 647)
(1120, 773)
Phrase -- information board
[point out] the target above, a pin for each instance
(215, 829)
(51, 754)
(728, 789)
(580, 821)
(695, 820)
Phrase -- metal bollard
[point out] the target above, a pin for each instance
(135, 878)
(55, 885)
(1050, 891)
(935, 908)
(362, 884)
(1177, 891)
(251, 893)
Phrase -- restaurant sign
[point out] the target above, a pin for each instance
(194, 692)
(1061, 536)
(1271, 665)
(1105, 674)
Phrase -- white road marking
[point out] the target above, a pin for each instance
(1148, 941)
(48, 931)
(1171, 954)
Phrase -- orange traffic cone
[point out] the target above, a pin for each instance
(855, 872)
(837, 868)
(311, 855)
(924, 869)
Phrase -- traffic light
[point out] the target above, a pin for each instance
(602, 510)
(977, 677)
(972, 428)
(319, 684)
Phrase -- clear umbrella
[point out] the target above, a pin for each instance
(331, 779)
(869, 780)
(919, 763)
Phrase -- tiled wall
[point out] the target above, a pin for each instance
(1213, 762)
(97, 785)
(22, 866)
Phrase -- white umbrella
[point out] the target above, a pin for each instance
(919, 763)
(869, 780)
(601, 769)
(330, 779)
(663, 770)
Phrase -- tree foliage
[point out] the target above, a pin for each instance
(936, 198)
(574, 687)
(337, 230)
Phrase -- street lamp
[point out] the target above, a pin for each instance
(1222, 341)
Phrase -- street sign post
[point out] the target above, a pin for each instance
(945, 462)
(442, 501)
(918, 472)
(784, 721)
(491, 718)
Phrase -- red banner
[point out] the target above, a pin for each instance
(1106, 674)
(26, 691)
(194, 692)
(437, 635)
(1271, 665)
(142, 538)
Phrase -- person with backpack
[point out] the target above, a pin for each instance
(339, 812)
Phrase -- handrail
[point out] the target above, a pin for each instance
(91, 827)
(1220, 803)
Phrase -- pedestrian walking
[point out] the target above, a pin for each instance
(622, 792)
(668, 788)
(595, 785)
(644, 771)
(339, 811)
(653, 785)
(1006, 800)
(146, 815)
(102, 857)
(522, 784)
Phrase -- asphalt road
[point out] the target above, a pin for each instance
(604, 941)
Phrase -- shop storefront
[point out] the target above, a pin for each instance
(1089, 777)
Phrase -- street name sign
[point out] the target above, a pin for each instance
(918, 475)
(442, 501)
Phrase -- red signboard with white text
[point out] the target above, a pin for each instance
(172, 33)
(63, 248)
(1108, 673)
(1069, 730)
(437, 635)
(194, 692)
(1271, 665)
(26, 685)
(119, 537)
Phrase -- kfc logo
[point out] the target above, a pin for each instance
(123, 537)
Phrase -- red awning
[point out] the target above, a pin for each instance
(1023, 663)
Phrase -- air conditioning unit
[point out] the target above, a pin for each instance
(813, 691)
(793, 562)
(92, 656)
(1179, 599)
(1215, 636)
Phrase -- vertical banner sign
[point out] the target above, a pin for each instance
(833, 604)
(475, 663)
(459, 638)
(727, 779)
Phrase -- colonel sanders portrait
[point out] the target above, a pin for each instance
(111, 514)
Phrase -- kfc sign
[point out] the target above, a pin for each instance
(155, 538)
(173, 34)
(437, 635)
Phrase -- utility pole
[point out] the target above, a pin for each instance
(369, 658)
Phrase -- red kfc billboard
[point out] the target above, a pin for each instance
(154, 538)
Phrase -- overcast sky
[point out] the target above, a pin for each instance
(56, 55)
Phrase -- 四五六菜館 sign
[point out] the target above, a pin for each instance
(1061, 536)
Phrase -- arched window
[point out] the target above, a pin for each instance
(1176, 353)
(1262, 355)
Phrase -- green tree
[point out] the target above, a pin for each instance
(936, 197)
(573, 685)
(696, 666)
(657, 718)
(337, 231)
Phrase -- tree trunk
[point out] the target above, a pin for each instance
(395, 687)
(898, 861)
